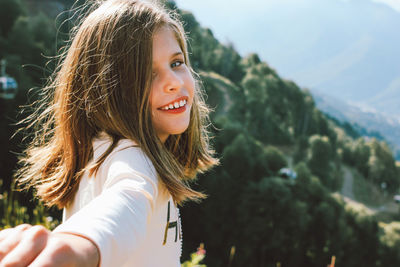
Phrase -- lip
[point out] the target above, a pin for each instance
(176, 100)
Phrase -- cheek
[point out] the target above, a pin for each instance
(191, 85)
(153, 96)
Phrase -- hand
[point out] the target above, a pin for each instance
(38, 247)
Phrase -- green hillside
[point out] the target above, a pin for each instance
(254, 215)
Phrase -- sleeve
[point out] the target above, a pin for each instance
(116, 219)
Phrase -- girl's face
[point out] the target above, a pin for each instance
(172, 87)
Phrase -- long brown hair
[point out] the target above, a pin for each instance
(103, 84)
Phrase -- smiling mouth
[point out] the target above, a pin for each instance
(177, 104)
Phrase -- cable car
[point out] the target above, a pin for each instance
(8, 85)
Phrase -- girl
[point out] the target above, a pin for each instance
(123, 135)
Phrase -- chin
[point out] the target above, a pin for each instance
(181, 131)
(179, 128)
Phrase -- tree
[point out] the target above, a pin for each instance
(382, 168)
(10, 10)
(319, 158)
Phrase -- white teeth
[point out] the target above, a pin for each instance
(175, 105)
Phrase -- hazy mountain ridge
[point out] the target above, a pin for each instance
(348, 49)
(368, 61)
(373, 122)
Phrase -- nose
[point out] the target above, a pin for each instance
(172, 81)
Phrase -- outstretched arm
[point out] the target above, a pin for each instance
(36, 246)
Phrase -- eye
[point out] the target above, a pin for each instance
(177, 63)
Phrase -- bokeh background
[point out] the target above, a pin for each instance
(306, 125)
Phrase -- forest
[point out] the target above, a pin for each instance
(276, 197)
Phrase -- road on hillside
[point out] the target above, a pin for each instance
(347, 192)
(347, 189)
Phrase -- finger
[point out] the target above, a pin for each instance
(11, 239)
(33, 242)
(23, 226)
(6, 232)
(55, 254)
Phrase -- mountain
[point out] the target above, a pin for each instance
(367, 122)
(347, 49)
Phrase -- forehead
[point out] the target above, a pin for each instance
(165, 42)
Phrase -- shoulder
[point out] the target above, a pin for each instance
(126, 160)
(128, 155)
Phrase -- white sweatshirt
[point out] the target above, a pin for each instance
(126, 210)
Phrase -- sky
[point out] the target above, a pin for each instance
(213, 14)
(395, 4)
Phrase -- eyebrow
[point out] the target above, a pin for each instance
(177, 54)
